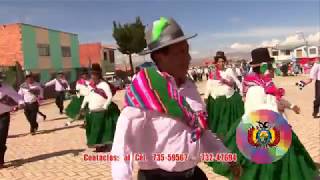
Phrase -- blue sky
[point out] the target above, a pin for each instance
(227, 25)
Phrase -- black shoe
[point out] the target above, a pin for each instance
(34, 130)
(315, 115)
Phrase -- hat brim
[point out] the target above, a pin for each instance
(168, 43)
(270, 60)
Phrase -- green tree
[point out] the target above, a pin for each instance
(130, 38)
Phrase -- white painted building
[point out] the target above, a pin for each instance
(285, 53)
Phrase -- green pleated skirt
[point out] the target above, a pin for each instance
(73, 109)
(296, 164)
(101, 126)
(223, 112)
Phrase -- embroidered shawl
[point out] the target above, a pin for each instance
(156, 91)
(82, 82)
(254, 79)
(215, 75)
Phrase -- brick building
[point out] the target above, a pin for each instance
(98, 53)
(40, 50)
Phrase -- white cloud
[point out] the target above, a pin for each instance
(266, 32)
(268, 43)
(293, 39)
(241, 46)
(194, 52)
(314, 37)
(289, 40)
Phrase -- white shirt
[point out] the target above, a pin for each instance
(83, 89)
(9, 91)
(28, 97)
(95, 101)
(206, 70)
(315, 72)
(215, 88)
(148, 132)
(58, 85)
(238, 71)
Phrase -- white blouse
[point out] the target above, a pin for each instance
(95, 101)
(215, 88)
(83, 89)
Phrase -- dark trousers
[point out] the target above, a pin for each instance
(159, 174)
(316, 102)
(41, 114)
(59, 100)
(4, 128)
(31, 112)
(239, 78)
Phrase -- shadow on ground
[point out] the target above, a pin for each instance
(56, 119)
(45, 131)
(20, 162)
(57, 129)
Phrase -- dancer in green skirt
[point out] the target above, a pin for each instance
(296, 164)
(103, 113)
(224, 104)
(82, 88)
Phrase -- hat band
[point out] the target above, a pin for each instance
(165, 39)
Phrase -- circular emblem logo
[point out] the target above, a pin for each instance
(263, 136)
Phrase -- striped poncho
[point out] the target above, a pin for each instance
(156, 91)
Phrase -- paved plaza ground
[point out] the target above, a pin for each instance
(56, 152)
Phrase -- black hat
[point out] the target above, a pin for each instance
(83, 72)
(60, 72)
(260, 55)
(95, 68)
(220, 54)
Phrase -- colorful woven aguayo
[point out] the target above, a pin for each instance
(156, 91)
(263, 136)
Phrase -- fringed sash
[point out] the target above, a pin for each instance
(97, 90)
(156, 91)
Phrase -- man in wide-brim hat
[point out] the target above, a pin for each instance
(9, 98)
(61, 87)
(140, 130)
(31, 92)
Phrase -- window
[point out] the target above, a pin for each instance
(275, 53)
(105, 55)
(43, 50)
(66, 51)
(287, 52)
(111, 56)
(312, 50)
(299, 53)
